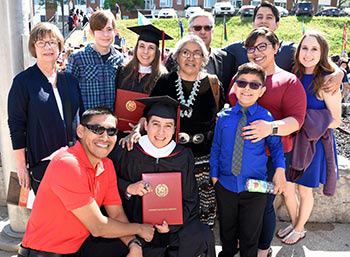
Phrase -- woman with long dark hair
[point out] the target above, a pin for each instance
(139, 75)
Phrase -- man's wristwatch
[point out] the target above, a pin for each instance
(274, 128)
(136, 241)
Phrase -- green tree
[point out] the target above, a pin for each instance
(127, 4)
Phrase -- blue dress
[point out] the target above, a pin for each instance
(317, 171)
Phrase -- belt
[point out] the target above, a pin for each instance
(185, 138)
(26, 252)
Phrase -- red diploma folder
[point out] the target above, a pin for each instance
(127, 109)
(165, 201)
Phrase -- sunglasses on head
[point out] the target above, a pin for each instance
(199, 27)
(99, 130)
(252, 85)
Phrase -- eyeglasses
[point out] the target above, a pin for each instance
(260, 47)
(252, 85)
(187, 54)
(199, 27)
(99, 130)
(42, 43)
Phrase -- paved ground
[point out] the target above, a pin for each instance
(322, 240)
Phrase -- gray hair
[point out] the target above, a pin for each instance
(200, 14)
(190, 37)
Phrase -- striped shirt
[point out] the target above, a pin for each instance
(96, 78)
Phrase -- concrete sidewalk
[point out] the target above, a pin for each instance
(322, 240)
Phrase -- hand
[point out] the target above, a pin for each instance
(257, 130)
(146, 232)
(214, 180)
(130, 139)
(279, 180)
(140, 188)
(23, 177)
(333, 81)
(164, 228)
(135, 251)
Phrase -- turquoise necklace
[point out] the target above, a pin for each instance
(191, 98)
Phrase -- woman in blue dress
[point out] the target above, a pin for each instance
(311, 66)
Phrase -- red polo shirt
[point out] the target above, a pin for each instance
(70, 182)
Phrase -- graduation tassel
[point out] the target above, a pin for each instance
(162, 45)
(177, 130)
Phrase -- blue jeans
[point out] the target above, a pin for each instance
(269, 222)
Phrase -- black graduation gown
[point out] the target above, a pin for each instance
(130, 165)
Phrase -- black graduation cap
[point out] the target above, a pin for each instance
(164, 107)
(150, 33)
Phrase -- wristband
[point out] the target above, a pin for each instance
(136, 241)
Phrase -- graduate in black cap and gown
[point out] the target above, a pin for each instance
(140, 74)
(158, 152)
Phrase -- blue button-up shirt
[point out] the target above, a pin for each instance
(96, 78)
(254, 154)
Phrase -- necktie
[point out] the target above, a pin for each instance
(239, 144)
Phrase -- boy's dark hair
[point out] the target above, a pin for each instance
(273, 8)
(264, 32)
(98, 110)
(251, 68)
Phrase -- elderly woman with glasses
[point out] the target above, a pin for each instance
(43, 107)
(286, 100)
(202, 93)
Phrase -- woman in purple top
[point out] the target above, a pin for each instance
(311, 66)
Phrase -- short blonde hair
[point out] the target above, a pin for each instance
(99, 19)
(42, 30)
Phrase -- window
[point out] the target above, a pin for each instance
(165, 3)
(179, 2)
(209, 3)
(191, 2)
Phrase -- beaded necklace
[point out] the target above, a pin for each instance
(191, 98)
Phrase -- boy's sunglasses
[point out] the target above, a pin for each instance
(199, 28)
(252, 85)
(99, 130)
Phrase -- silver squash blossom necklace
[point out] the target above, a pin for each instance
(191, 98)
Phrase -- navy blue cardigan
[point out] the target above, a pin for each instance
(33, 116)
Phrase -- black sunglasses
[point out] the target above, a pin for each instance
(99, 130)
(199, 27)
(252, 85)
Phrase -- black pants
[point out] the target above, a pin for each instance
(192, 240)
(239, 214)
(102, 247)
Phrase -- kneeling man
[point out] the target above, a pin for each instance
(157, 152)
(66, 219)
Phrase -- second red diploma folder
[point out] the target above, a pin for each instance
(127, 109)
(165, 201)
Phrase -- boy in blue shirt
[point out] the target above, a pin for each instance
(233, 160)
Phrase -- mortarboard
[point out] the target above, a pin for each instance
(164, 107)
(150, 33)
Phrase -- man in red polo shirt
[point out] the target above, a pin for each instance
(66, 219)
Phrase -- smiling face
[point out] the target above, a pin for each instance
(266, 58)
(97, 146)
(205, 35)
(246, 96)
(265, 18)
(190, 66)
(49, 52)
(104, 37)
(310, 53)
(146, 52)
(160, 130)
